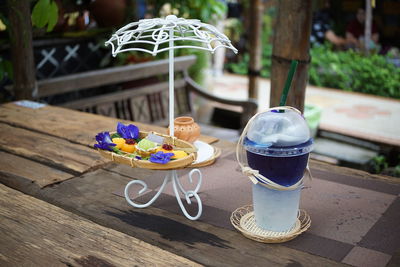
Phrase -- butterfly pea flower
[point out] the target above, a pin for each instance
(128, 131)
(161, 157)
(104, 141)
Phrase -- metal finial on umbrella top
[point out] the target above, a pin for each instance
(158, 35)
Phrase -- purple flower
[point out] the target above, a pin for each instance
(128, 132)
(138, 157)
(161, 157)
(104, 141)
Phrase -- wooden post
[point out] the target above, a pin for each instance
(291, 41)
(255, 49)
(21, 48)
(368, 26)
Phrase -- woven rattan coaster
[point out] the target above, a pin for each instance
(243, 220)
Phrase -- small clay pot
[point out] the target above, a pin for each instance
(186, 129)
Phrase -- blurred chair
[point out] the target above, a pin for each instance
(137, 92)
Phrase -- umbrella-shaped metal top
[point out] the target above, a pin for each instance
(157, 35)
(150, 35)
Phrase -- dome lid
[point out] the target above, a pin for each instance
(278, 132)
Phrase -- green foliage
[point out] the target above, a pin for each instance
(233, 29)
(379, 163)
(241, 67)
(352, 71)
(5, 69)
(197, 70)
(208, 11)
(45, 12)
(205, 10)
(346, 70)
(397, 170)
(4, 20)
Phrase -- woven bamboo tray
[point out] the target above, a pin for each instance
(145, 164)
(243, 220)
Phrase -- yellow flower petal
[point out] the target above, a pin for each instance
(119, 142)
(178, 154)
(128, 148)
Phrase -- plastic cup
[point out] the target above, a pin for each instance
(275, 210)
(277, 145)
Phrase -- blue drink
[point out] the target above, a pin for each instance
(282, 165)
(277, 144)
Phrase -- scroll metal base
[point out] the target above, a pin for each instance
(178, 188)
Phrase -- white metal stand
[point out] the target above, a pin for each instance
(156, 32)
(178, 189)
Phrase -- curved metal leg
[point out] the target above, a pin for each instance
(177, 186)
(136, 205)
(188, 194)
(191, 181)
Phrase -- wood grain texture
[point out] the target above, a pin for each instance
(32, 174)
(125, 94)
(74, 126)
(39, 234)
(338, 170)
(382, 140)
(249, 106)
(113, 75)
(229, 147)
(91, 196)
(291, 41)
(119, 104)
(49, 150)
(255, 12)
(20, 29)
(296, 96)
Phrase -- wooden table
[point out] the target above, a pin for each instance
(58, 204)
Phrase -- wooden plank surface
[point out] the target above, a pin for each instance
(92, 197)
(90, 79)
(49, 150)
(36, 233)
(74, 126)
(338, 170)
(32, 175)
(125, 94)
(229, 147)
